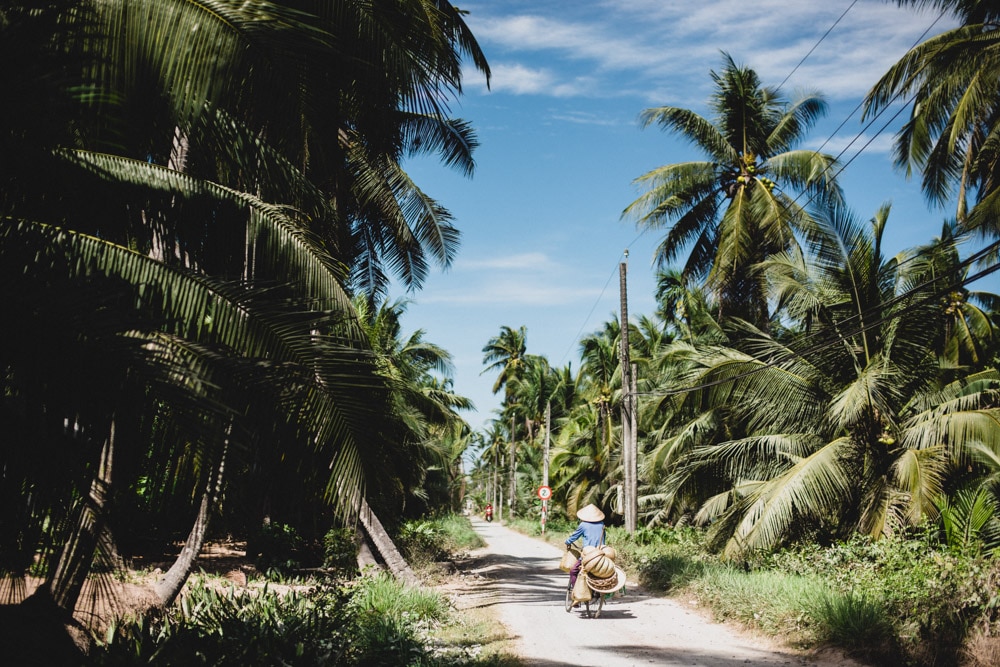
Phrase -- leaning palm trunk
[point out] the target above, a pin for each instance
(394, 560)
(173, 581)
(65, 581)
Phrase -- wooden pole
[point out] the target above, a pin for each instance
(633, 493)
(628, 453)
(545, 461)
(512, 493)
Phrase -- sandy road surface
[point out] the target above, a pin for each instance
(521, 577)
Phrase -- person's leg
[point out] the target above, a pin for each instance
(574, 572)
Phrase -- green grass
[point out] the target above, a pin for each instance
(383, 596)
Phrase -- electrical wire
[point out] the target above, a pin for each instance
(818, 42)
(839, 171)
(864, 326)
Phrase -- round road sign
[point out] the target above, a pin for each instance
(544, 492)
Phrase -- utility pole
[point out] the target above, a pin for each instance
(545, 461)
(629, 454)
(499, 505)
(513, 470)
(634, 445)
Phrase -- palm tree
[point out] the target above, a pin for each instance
(732, 211)
(953, 81)
(506, 353)
(970, 336)
(844, 425)
(685, 308)
(584, 464)
(212, 296)
(431, 434)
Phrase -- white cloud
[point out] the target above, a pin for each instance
(596, 49)
(851, 145)
(528, 260)
(519, 291)
(521, 80)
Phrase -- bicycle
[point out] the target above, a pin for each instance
(596, 599)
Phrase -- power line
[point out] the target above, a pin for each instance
(827, 141)
(818, 42)
(874, 118)
(592, 309)
(816, 349)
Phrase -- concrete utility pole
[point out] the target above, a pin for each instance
(545, 461)
(634, 445)
(513, 470)
(629, 454)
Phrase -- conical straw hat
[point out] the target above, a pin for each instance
(591, 513)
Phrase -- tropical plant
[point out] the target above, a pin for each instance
(227, 335)
(952, 81)
(732, 210)
(845, 425)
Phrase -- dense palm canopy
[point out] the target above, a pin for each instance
(191, 192)
(952, 81)
(795, 382)
(845, 425)
(739, 206)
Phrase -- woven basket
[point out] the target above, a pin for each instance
(608, 584)
(569, 558)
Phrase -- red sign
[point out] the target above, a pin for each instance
(544, 492)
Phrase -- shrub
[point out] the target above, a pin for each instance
(856, 621)
(279, 549)
(233, 627)
(430, 540)
(420, 542)
(340, 551)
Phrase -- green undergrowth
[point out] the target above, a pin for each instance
(371, 619)
(426, 541)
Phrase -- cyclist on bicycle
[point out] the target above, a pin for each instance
(591, 529)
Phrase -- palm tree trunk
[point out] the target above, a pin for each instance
(65, 582)
(385, 546)
(168, 588)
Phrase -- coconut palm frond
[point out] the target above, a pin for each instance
(810, 488)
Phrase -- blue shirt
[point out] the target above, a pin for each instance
(591, 532)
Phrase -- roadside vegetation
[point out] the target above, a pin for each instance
(906, 600)
(281, 617)
(202, 208)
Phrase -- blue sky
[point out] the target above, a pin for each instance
(542, 233)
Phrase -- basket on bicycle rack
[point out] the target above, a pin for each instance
(606, 585)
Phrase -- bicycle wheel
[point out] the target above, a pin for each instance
(569, 599)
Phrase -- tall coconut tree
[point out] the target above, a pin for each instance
(506, 353)
(846, 425)
(166, 131)
(742, 204)
(952, 81)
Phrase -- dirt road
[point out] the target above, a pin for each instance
(520, 576)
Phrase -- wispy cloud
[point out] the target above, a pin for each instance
(519, 292)
(850, 145)
(527, 279)
(666, 47)
(586, 118)
(529, 260)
